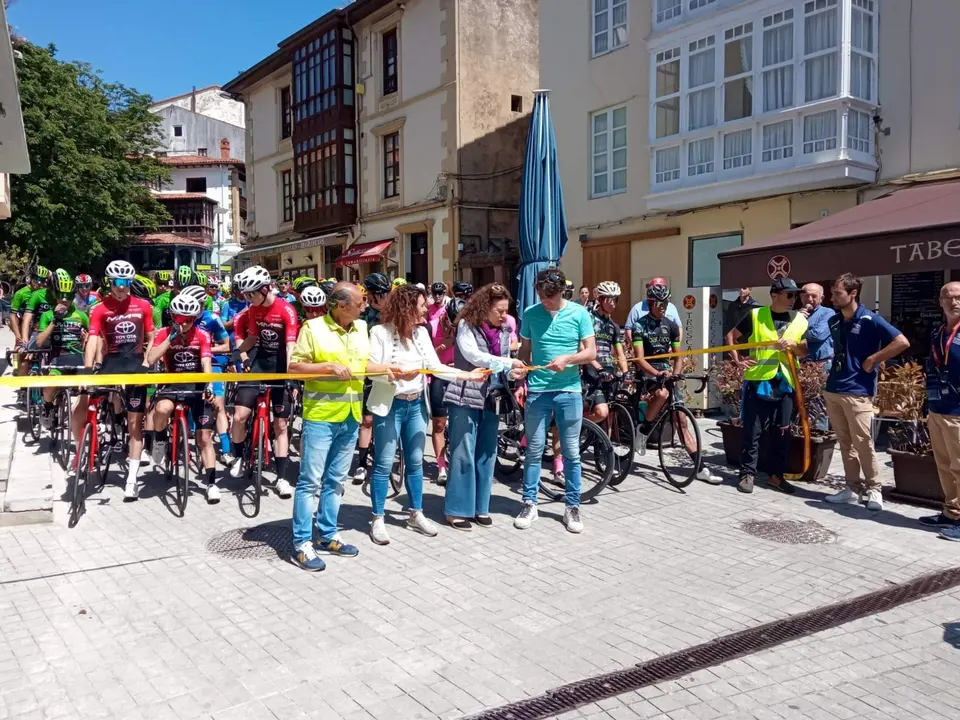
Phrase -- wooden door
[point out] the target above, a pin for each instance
(609, 262)
(419, 260)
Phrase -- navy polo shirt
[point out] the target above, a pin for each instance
(854, 341)
(945, 373)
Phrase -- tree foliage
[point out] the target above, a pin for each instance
(88, 192)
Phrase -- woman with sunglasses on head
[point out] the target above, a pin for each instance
(482, 341)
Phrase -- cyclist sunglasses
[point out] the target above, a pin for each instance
(181, 319)
(121, 282)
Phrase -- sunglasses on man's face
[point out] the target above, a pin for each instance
(122, 282)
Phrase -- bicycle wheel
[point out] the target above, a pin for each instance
(624, 440)
(596, 464)
(180, 464)
(34, 405)
(62, 432)
(258, 448)
(80, 477)
(678, 463)
(510, 453)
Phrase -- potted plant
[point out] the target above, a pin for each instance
(729, 380)
(902, 394)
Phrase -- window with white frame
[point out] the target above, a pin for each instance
(668, 9)
(609, 25)
(778, 61)
(737, 149)
(858, 131)
(609, 128)
(777, 141)
(697, 4)
(667, 103)
(704, 263)
(738, 72)
(820, 132)
(863, 49)
(821, 49)
(667, 165)
(700, 157)
(701, 75)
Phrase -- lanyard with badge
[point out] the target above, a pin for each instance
(941, 359)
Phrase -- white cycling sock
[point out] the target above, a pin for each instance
(132, 472)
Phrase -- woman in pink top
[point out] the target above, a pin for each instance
(441, 330)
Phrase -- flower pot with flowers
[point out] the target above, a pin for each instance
(728, 377)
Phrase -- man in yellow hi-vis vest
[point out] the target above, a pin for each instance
(768, 388)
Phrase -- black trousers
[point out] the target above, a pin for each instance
(759, 414)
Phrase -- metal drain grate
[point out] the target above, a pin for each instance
(789, 532)
(569, 697)
(263, 541)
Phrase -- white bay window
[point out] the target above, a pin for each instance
(863, 53)
(738, 72)
(700, 157)
(859, 130)
(668, 165)
(667, 104)
(777, 141)
(778, 61)
(737, 149)
(821, 32)
(820, 132)
(702, 99)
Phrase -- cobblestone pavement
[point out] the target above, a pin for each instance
(130, 616)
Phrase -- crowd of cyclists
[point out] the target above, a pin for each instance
(182, 321)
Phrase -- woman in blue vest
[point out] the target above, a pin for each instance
(482, 341)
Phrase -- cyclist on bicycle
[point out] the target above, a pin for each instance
(86, 297)
(299, 285)
(21, 331)
(283, 290)
(314, 302)
(185, 348)
(64, 330)
(462, 290)
(42, 300)
(378, 286)
(611, 359)
(122, 326)
(234, 305)
(212, 302)
(269, 324)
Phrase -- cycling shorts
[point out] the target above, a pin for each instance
(66, 364)
(134, 396)
(280, 401)
(438, 408)
(367, 386)
(204, 415)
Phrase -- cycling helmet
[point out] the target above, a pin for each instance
(199, 278)
(327, 286)
(658, 293)
(377, 284)
(313, 297)
(163, 276)
(143, 287)
(40, 273)
(438, 288)
(283, 281)
(254, 279)
(225, 287)
(196, 292)
(185, 304)
(304, 281)
(83, 281)
(399, 282)
(462, 288)
(608, 288)
(184, 276)
(120, 270)
(212, 281)
(61, 283)
(454, 307)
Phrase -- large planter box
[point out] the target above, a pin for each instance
(821, 448)
(915, 479)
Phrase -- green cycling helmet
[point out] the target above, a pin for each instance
(164, 276)
(61, 283)
(143, 287)
(40, 273)
(304, 281)
(184, 276)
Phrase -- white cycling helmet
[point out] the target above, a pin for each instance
(120, 270)
(313, 297)
(196, 292)
(608, 288)
(185, 304)
(253, 279)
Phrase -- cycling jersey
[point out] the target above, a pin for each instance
(84, 305)
(211, 324)
(186, 350)
(160, 304)
(40, 302)
(609, 335)
(18, 305)
(371, 316)
(657, 337)
(122, 325)
(212, 305)
(68, 331)
(274, 326)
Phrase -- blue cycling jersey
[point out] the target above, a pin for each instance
(230, 309)
(212, 324)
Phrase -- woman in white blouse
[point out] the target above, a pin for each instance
(398, 402)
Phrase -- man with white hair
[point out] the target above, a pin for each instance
(819, 340)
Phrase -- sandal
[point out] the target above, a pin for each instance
(483, 520)
(782, 486)
(460, 524)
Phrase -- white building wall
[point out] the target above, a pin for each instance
(210, 102)
(267, 155)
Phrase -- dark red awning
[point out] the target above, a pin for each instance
(363, 253)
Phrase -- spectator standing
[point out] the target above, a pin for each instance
(584, 296)
(943, 399)
(861, 341)
(819, 339)
(744, 303)
(441, 332)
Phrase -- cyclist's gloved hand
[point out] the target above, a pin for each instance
(247, 365)
(60, 311)
(174, 331)
(606, 376)
(208, 392)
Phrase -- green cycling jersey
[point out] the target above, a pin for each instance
(160, 303)
(18, 305)
(69, 331)
(40, 302)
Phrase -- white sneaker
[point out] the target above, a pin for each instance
(213, 494)
(236, 470)
(360, 476)
(571, 519)
(46, 421)
(641, 443)
(378, 531)
(708, 477)
(844, 496)
(527, 517)
(160, 449)
(419, 522)
(130, 491)
(874, 500)
(283, 489)
(442, 476)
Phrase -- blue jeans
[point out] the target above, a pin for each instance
(327, 452)
(567, 407)
(473, 456)
(406, 422)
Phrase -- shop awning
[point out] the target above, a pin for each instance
(364, 252)
(911, 230)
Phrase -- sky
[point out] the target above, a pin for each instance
(165, 48)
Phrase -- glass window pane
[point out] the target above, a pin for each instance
(738, 57)
(668, 117)
(620, 117)
(705, 265)
(668, 78)
(738, 98)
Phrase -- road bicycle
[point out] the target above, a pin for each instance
(619, 427)
(176, 466)
(675, 431)
(259, 434)
(33, 397)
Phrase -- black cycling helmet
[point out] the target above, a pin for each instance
(143, 287)
(438, 288)
(658, 293)
(184, 277)
(327, 286)
(377, 284)
(461, 288)
(454, 308)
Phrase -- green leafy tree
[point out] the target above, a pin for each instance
(88, 193)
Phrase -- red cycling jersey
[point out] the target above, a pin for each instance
(122, 325)
(186, 350)
(275, 326)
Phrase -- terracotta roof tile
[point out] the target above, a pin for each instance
(189, 160)
(163, 238)
(183, 196)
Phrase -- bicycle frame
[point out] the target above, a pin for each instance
(262, 412)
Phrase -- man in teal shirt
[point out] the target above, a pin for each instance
(557, 335)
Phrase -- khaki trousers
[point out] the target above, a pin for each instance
(945, 438)
(851, 417)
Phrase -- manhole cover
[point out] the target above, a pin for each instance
(789, 532)
(263, 541)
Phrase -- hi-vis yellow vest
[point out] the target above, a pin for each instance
(322, 340)
(770, 361)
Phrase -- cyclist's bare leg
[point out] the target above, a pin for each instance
(658, 399)
(598, 414)
(78, 417)
(159, 417)
(238, 432)
(223, 422)
(439, 425)
(207, 452)
(135, 429)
